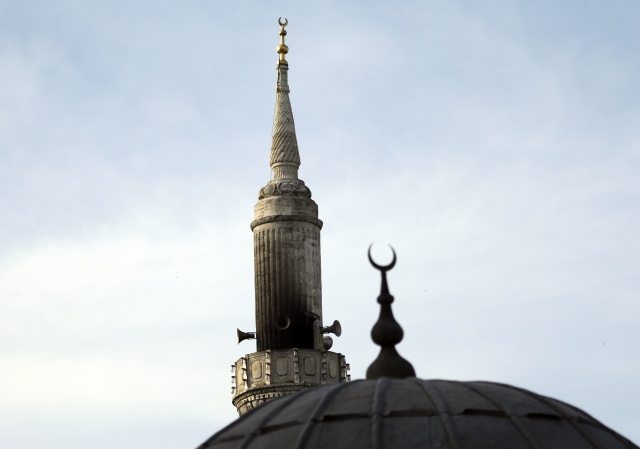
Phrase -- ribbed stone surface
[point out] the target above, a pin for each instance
(417, 414)
(285, 158)
(287, 273)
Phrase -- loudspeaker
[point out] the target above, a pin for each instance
(245, 335)
(282, 322)
(327, 342)
(335, 328)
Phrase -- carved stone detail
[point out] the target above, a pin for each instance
(310, 366)
(294, 187)
(249, 400)
(253, 382)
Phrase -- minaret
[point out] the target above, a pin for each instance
(292, 348)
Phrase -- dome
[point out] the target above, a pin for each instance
(393, 409)
(414, 413)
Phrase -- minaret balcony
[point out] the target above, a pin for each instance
(261, 376)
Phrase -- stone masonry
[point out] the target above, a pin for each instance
(292, 352)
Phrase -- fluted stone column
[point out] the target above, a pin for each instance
(288, 288)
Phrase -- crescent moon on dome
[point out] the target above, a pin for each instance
(383, 267)
(286, 22)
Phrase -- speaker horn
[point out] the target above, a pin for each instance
(327, 342)
(282, 322)
(242, 336)
(335, 329)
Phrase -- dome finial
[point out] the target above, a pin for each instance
(282, 48)
(387, 333)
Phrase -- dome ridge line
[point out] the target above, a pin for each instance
(378, 411)
(316, 414)
(256, 430)
(284, 402)
(435, 396)
(508, 411)
(571, 422)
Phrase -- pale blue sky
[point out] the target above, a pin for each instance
(495, 144)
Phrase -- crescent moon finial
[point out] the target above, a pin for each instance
(387, 333)
(383, 267)
(282, 49)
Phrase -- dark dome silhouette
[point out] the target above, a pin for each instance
(393, 409)
(413, 413)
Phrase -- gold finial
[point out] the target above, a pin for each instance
(282, 48)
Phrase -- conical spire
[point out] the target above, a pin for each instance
(285, 158)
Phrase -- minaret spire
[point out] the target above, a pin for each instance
(285, 158)
(293, 348)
